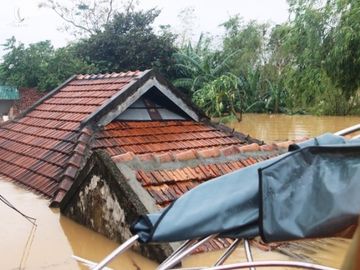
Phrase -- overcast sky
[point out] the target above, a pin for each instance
(41, 24)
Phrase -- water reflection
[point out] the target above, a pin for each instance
(328, 252)
(94, 247)
(278, 127)
(55, 240)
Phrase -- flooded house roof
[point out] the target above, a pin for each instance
(173, 157)
(167, 176)
(140, 112)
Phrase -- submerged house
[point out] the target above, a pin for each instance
(108, 147)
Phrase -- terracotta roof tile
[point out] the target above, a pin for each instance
(141, 137)
(249, 148)
(44, 149)
(185, 155)
(209, 153)
(28, 96)
(124, 157)
(166, 183)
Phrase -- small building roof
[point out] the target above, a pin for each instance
(8, 93)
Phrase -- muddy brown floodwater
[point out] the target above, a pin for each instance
(56, 238)
(279, 127)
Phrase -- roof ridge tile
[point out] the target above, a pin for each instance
(185, 155)
(114, 75)
(230, 150)
(209, 152)
(125, 157)
(249, 148)
(269, 147)
(192, 154)
(108, 75)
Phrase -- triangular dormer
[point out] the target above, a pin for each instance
(150, 97)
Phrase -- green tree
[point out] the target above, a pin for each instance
(323, 55)
(39, 65)
(220, 96)
(342, 48)
(198, 65)
(128, 42)
(306, 80)
(247, 41)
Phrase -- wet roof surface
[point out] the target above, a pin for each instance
(143, 137)
(28, 96)
(44, 149)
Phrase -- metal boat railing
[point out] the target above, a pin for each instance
(349, 130)
(191, 245)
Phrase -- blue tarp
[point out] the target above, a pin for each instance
(310, 191)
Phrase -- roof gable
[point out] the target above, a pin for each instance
(147, 108)
(150, 80)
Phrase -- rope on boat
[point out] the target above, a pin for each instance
(9, 204)
(27, 248)
(30, 239)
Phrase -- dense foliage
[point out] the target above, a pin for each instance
(128, 42)
(39, 65)
(308, 64)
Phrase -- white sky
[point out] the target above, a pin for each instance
(42, 24)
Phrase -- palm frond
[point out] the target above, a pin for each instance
(183, 83)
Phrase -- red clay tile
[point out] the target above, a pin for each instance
(268, 147)
(166, 157)
(285, 145)
(249, 148)
(71, 171)
(185, 155)
(209, 153)
(75, 160)
(66, 183)
(229, 151)
(128, 156)
(146, 157)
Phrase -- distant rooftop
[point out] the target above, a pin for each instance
(27, 97)
(8, 93)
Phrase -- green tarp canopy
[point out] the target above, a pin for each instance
(311, 191)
